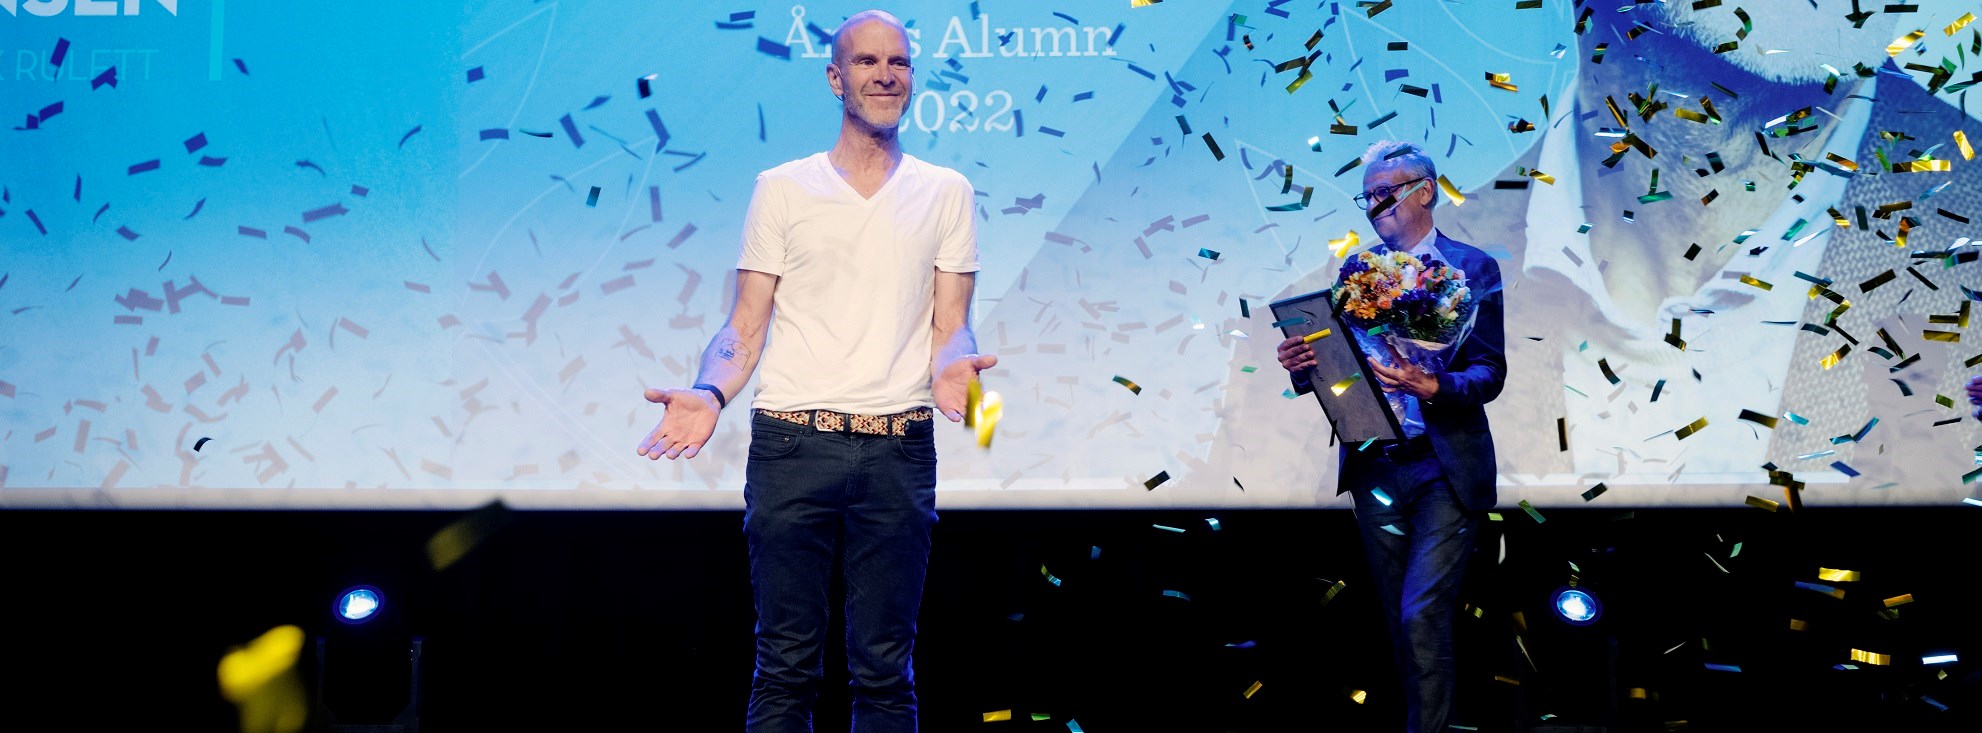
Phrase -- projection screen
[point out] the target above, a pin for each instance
(358, 255)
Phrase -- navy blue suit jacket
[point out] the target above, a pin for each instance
(1455, 419)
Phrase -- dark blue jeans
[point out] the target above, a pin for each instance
(1417, 562)
(870, 501)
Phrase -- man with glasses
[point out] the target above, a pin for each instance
(1419, 499)
(871, 255)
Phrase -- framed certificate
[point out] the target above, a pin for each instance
(1342, 379)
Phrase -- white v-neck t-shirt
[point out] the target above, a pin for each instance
(852, 322)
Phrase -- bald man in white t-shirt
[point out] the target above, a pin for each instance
(870, 257)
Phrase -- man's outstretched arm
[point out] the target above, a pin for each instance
(690, 416)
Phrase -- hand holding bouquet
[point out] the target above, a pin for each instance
(1405, 309)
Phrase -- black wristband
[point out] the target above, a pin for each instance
(721, 401)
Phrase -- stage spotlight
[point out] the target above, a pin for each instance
(1577, 607)
(359, 604)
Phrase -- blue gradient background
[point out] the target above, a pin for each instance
(421, 382)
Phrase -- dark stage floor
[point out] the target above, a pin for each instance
(642, 621)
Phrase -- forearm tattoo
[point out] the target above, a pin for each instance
(732, 351)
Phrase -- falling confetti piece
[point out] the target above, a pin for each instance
(1343, 386)
(1124, 381)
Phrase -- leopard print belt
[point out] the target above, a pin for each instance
(840, 422)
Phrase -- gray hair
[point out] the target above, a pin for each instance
(862, 17)
(1408, 156)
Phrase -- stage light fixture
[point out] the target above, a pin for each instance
(1577, 607)
(359, 604)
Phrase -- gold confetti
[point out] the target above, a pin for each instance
(1959, 23)
(1507, 679)
(1952, 337)
(1750, 280)
(973, 399)
(1761, 503)
(1838, 576)
(1342, 246)
(1501, 81)
(1961, 140)
(1797, 624)
(990, 412)
(1358, 696)
(1124, 381)
(1923, 166)
(997, 716)
(1691, 428)
(1157, 480)
(1831, 359)
(458, 538)
(1459, 199)
(261, 679)
(1143, 3)
(1872, 658)
(1330, 594)
(1317, 336)
(1343, 386)
(1758, 418)
(1903, 42)
(1899, 600)
(1254, 688)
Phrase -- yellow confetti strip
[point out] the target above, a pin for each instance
(972, 400)
(1459, 199)
(1342, 246)
(1358, 696)
(1831, 359)
(1691, 428)
(1839, 576)
(1126, 382)
(1255, 688)
(461, 536)
(1750, 280)
(1797, 624)
(1343, 386)
(261, 679)
(1317, 336)
(1501, 81)
(1899, 600)
(1873, 658)
(1507, 679)
(1961, 141)
(1332, 591)
(1923, 166)
(990, 412)
(1903, 42)
(1761, 503)
(1959, 23)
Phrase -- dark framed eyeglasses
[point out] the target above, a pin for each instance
(1364, 199)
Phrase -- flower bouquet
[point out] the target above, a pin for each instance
(1402, 307)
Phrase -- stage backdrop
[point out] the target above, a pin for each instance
(302, 254)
